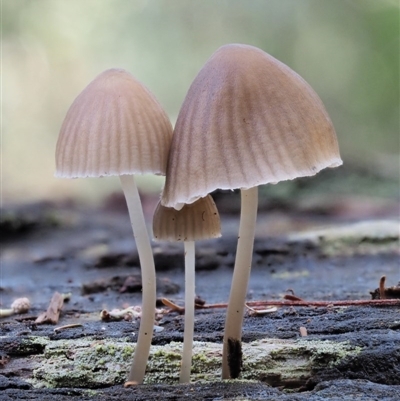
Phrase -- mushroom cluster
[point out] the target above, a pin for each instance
(247, 120)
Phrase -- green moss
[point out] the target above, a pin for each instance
(127, 351)
(30, 345)
(288, 275)
(367, 237)
(282, 363)
(91, 393)
(83, 363)
(327, 354)
(168, 355)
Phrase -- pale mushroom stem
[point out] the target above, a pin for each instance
(6, 312)
(142, 240)
(231, 354)
(189, 311)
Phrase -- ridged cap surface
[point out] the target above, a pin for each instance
(247, 120)
(199, 220)
(115, 126)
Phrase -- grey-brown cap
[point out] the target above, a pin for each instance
(247, 119)
(199, 220)
(115, 126)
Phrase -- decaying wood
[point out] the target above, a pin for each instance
(70, 363)
(384, 292)
(351, 345)
(53, 311)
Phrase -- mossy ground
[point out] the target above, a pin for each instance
(88, 363)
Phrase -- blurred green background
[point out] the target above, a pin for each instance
(51, 49)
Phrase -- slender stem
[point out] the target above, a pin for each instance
(189, 311)
(6, 312)
(143, 344)
(240, 279)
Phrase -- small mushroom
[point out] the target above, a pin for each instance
(20, 305)
(247, 120)
(117, 127)
(193, 222)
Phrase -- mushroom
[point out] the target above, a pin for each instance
(117, 127)
(199, 220)
(247, 120)
(20, 305)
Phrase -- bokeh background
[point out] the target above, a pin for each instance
(51, 49)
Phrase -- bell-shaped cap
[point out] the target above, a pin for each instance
(199, 220)
(115, 126)
(247, 120)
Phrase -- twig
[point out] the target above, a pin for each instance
(255, 312)
(129, 313)
(366, 302)
(292, 298)
(382, 294)
(303, 331)
(67, 326)
(53, 311)
(176, 308)
(386, 297)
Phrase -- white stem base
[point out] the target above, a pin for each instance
(143, 344)
(241, 275)
(189, 311)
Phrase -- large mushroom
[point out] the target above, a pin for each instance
(117, 127)
(194, 222)
(247, 120)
